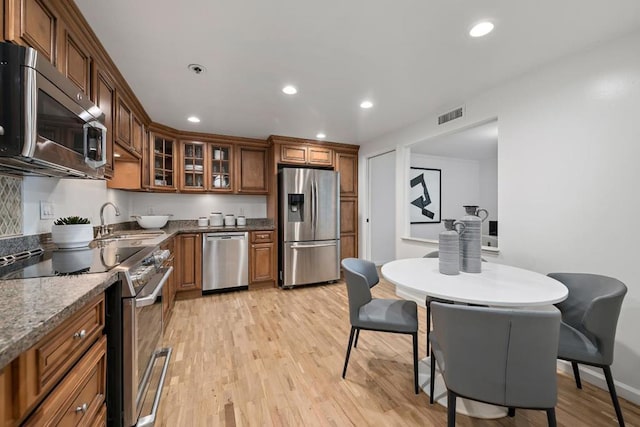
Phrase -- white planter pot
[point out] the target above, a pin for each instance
(72, 235)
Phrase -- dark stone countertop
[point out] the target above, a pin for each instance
(31, 308)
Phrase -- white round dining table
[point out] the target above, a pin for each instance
(497, 285)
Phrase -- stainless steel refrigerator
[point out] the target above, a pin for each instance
(309, 221)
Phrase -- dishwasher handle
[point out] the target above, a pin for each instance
(215, 237)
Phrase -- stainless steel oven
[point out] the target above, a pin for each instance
(48, 126)
(138, 364)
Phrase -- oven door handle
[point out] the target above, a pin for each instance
(149, 420)
(150, 299)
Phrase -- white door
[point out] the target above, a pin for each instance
(381, 172)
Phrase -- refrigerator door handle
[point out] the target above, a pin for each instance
(316, 245)
(313, 209)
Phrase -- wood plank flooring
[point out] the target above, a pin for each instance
(274, 358)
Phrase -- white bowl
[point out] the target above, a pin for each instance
(152, 221)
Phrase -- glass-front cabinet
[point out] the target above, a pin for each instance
(163, 163)
(192, 155)
(220, 167)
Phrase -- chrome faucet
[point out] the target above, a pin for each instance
(104, 230)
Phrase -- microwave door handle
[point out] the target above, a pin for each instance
(150, 299)
(103, 144)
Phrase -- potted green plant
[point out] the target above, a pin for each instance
(72, 232)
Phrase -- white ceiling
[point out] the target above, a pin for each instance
(475, 143)
(412, 58)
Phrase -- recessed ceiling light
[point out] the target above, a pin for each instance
(290, 90)
(321, 135)
(366, 104)
(481, 29)
(193, 119)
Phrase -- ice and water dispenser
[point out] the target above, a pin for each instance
(295, 212)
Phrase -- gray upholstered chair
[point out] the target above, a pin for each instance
(589, 320)
(499, 356)
(375, 314)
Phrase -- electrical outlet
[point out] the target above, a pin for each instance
(46, 210)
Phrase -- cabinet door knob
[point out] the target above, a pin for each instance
(80, 335)
(83, 408)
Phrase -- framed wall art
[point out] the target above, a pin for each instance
(425, 195)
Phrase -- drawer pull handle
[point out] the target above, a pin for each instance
(80, 335)
(82, 408)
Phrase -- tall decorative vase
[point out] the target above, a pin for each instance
(449, 247)
(471, 240)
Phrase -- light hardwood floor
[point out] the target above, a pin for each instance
(274, 358)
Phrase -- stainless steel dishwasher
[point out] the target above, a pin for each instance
(225, 261)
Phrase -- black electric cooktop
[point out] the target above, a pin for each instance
(64, 262)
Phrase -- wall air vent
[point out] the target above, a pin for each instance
(451, 115)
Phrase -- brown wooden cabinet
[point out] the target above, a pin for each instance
(306, 155)
(63, 371)
(262, 259)
(162, 162)
(138, 135)
(189, 262)
(252, 176)
(74, 60)
(347, 165)
(104, 95)
(33, 23)
(193, 166)
(220, 168)
(123, 123)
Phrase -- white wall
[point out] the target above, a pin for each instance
(460, 183)
(70, 197)
(84, 197)
(568, 175)
(489, 190)
(192, 206)
(382, 220)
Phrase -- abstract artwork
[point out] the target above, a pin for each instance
(424, 195)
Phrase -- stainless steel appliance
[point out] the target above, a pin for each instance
(225, 261)
(134, 339)
(309, 226)
(47, 125)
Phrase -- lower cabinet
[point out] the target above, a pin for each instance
(188, 263)
(61, 380)
(169, 289)
(262, 259)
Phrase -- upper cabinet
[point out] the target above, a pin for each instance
(251, 164)
(162, 163)
(74, 60)
(32, 23)
(347, 165)
(220, 162)
(104, 95)
(306, 155)
(192, 166)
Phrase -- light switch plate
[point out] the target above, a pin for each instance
(46, 210)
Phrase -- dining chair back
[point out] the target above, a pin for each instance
(514, 365)
(376, 314)
(589, 322)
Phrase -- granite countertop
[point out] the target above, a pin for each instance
(31, 308)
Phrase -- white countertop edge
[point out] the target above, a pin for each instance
(492, 249)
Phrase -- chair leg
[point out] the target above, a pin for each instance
(432, 380)
(346, 360)
(614, 395)
(451, 409)
(428, 304)
(415, 362)
(551, 417)
(511, 412)
(576, 374)
(355, 344)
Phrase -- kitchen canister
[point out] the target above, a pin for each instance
(216, 219)
(241, 221)
(203, 221)
(449, 247)
(229, 220)
(471, 239)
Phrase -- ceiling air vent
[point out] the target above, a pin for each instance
(451, 115)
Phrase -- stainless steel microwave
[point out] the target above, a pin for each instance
(47, 125)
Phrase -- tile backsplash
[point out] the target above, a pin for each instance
(10, 206)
